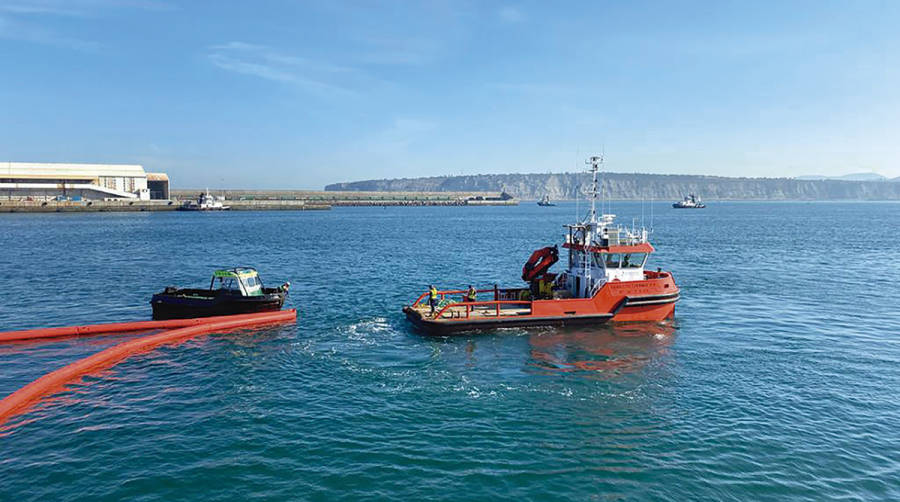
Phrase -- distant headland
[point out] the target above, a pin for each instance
(636, 186)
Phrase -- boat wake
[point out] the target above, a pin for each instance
(368, 331)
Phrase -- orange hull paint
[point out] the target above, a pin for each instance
(652, 299)
(609, 297)
(646, 313)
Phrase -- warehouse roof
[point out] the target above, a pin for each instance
(54, 170)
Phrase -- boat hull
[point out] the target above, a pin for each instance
(183, 306)
(632, 301)
(439, 328)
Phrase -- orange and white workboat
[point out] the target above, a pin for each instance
(605, 281)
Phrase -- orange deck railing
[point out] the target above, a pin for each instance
(498, 294)
(470, 306)
(502, 297)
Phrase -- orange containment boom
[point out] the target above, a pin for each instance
(105, 329)
(20, 400)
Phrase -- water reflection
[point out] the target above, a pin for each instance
(601, 351)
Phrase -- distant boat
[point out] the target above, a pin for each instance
(545, 202)
(689, 202)
(205, 202)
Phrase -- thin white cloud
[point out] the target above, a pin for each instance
(272, 57)
(38, 9)
(78, 8)
(260, 70)
(511, 15)
(13, 29)
(20, 19)
(266, 63)
(238, 46)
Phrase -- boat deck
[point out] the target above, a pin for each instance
(459, 311)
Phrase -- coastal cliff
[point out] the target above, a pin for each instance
(636, 186)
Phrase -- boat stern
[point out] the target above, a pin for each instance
(422, 322)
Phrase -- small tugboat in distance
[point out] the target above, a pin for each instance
(231, 291)
(605, 281)
(545, 202)
(689, 202)
(205, 202)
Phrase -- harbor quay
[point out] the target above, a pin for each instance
(27, 187)
(258, 201)
(101, 206)
(358, 198)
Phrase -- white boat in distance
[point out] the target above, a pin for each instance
(689, 202)
(205, 202)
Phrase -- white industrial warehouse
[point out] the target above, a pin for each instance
(41, 181)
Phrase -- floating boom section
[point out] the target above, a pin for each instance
(106, 329)
(539, 262)
(22, 399)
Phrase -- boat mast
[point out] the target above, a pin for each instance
(594, 162)
(591, 227)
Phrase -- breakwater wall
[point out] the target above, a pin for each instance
(262, 200)
(356, 198)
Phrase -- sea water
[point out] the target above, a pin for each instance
(778, 378)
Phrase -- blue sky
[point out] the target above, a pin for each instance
(279, 94)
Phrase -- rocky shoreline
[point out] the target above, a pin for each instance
(635, 186)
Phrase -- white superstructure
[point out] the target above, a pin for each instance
(689, 202)
(601, 251)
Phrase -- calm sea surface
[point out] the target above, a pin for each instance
(779, 378)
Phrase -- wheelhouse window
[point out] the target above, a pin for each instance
(634, 260)
(252, 286)
(229, 283)
(613, 260)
